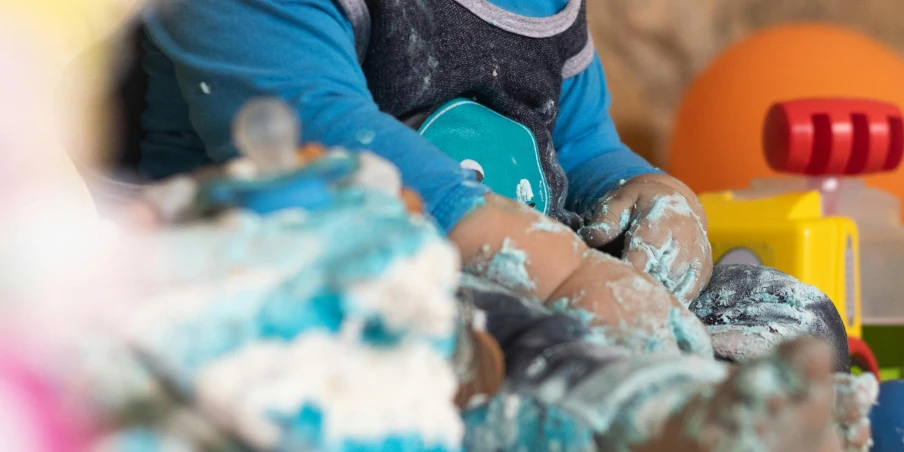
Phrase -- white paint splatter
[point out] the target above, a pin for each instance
(472, 165)
(205, 88)
(524, 191)
(546, 224)
(362, 393)
(413, 293)
(549, 107)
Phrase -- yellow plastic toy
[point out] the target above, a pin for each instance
(789, 233)
(808, 225)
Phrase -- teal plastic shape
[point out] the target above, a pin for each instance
(501, 151)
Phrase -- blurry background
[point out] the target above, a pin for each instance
(653, 49)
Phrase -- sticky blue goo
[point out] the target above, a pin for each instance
(507, 267)
(513, 423)
(312, 299)
(306, 434)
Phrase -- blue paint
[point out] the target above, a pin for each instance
(305, 433)
(690, 334)
(283, 317)
(308, 194)
(316, 256)
(377, 334)
(144, 440)
(584, 316)
(306, 187)
(185, 347)
(596, 334)
(567, 306)
(508, 268)
(512, 423)
(562, 305)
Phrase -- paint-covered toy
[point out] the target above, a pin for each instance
(812, 227)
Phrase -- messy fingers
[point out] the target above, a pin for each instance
(609, 219)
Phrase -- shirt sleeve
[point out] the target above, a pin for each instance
(302, 51)
(589, 148)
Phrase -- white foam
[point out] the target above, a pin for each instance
(363, 393)
(156, 314)
(378, 174)
(415, 292)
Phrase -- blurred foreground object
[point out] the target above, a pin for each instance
(888, 418)
(52, 240)
(292, 299)
(716, 142)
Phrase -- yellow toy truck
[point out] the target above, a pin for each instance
(810, 227)
(789, 233)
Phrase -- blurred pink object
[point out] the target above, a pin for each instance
(52, 241)
(32, 415)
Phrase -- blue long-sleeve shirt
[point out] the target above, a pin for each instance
(213, 55)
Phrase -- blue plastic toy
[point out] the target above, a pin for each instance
(887, 418)
(307, 187)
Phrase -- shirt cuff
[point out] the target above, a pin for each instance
(456, 203)
(603, 174)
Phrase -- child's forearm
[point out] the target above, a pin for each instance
(541, 259)
(518, 247)
(504, 237)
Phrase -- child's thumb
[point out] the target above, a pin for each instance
(611, 219)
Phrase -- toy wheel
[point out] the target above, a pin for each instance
(862, 356)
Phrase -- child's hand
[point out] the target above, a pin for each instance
(628, 308)
(664, 228)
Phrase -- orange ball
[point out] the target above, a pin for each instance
(716, 142)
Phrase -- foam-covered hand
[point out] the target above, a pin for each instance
(663, 229)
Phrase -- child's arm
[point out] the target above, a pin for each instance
(618, 192)
(226, 52)
(538, 258)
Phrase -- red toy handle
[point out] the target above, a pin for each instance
(833, 137)
(862, 356)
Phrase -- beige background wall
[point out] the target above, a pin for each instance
(652, 49)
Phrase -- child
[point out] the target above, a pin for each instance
(361, 73)
(567, 389)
